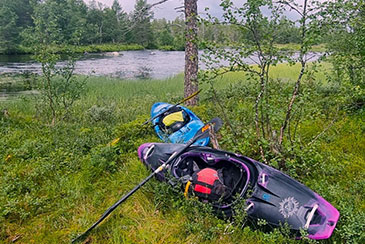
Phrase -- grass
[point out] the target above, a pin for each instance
(296, 47)
(57, 181)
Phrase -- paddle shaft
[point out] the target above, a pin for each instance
(126, 196)
(173, 106)
(204, 131)
(111, 209)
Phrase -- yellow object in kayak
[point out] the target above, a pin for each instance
(172, 118)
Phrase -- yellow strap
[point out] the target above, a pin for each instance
(115, 141)
(187, 189)
(172, 118)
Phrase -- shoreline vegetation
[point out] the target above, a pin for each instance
(57, 180)
(94, 48)
(115, 47)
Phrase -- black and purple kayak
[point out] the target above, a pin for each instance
(268, 193)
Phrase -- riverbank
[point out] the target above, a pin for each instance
(56, 181)
(94, 48)
(115, 47)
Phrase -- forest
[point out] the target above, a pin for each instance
(79, 24)
(69, 142)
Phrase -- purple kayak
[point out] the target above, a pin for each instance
(225, 179)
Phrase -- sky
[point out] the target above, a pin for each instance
(167, 9)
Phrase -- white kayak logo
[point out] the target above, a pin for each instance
(288, 207)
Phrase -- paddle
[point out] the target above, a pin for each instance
(203, 132)
(173, 106)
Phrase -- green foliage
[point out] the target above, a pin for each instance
(56, 181)
(288, 32)
(261, 31)
(132, 135)
(58, 87)
(8, 30)
(344, 21)
(352, 225)
(84, 27)
(141, 30)
(15, 16)
(102, 113)
(104, 159)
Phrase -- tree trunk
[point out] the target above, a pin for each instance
(191, 52)
(303, 51)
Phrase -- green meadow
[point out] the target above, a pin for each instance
(55, 181)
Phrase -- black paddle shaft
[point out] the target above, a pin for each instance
(115, 205)
(203, 132)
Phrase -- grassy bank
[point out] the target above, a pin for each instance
(115, 47)
(56, 181)
(94, 48)
(296, 47)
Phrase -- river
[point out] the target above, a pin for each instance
(153, 64)
(127, 64)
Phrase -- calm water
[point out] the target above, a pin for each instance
(128, 64)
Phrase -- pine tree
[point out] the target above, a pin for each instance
(8, 30)
(142, 33)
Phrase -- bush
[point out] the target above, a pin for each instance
(102, 113)
(133, 134)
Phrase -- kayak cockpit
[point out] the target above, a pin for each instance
(232, 176)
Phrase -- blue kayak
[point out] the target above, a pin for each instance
(177, 125)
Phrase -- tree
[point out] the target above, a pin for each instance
(117, 9)
(15, 16)
(115, 23)
(178, 32)
(58, 86)
(162, 31)
(191, 51)
(74, 30)
(8, 30)
(260, 31)
(111, 26)
(141, 18)
(95, 22)
(345, 23)
(287, 32)
(166, 39)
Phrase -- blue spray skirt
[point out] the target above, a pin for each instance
(185, 133)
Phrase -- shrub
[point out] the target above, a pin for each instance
(102, 113)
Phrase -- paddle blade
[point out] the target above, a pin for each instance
(214, 124)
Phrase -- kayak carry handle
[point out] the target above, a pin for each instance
(310, 216)
(249, 206)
